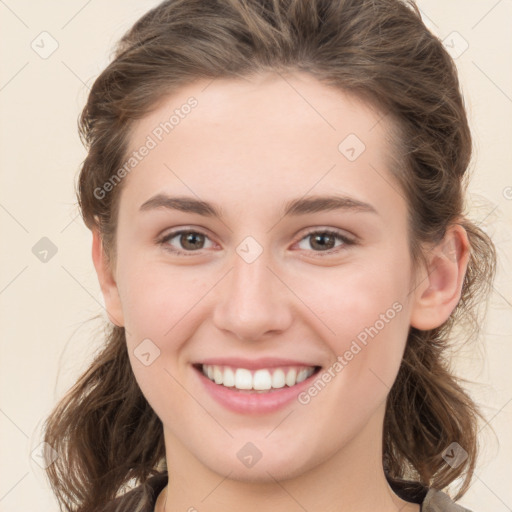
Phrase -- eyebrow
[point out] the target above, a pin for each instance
(295, 207)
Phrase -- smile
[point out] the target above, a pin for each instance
(261, 380)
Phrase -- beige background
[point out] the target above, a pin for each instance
(46, 335)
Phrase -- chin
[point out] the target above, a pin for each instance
(269, 468)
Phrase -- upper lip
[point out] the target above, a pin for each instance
(253, 364)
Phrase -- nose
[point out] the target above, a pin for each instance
(252, 301)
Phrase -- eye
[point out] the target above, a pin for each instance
(188, 239)
(325, 241)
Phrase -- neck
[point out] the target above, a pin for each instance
(350, 479)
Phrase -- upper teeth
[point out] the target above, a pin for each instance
(258, 380)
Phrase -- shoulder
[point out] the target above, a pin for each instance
(430, 499)
(143, 497)
(438, 501)
(139, 499)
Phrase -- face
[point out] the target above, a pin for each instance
(268, 278)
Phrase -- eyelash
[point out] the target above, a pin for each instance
(336, 234)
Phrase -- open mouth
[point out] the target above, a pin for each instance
(263, 380)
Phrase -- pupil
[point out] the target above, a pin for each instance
(190, 238)
(322, 245)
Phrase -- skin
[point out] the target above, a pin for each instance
(249, 146)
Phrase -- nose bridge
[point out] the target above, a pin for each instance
(252, 300)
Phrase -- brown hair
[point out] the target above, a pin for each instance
(104, 431)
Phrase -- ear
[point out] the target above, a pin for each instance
(107, 281)
(440, 286)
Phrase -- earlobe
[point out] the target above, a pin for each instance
(440, 286)
(107, 282)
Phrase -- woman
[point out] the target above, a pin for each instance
(275, 191)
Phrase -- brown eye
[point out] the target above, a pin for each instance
(322, 241)
(187, 241)
(191, 240)
(325, 241)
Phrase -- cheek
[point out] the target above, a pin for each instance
(156, 298)
(365, 312)
(348, 300)
(162, 310)
(159, 309)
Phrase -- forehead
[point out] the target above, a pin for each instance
(264, 102)
(257, 138)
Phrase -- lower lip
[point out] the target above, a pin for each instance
(253, 403)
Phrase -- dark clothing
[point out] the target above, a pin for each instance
(143, 497)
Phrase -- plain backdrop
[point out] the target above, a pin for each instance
(50, 54)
